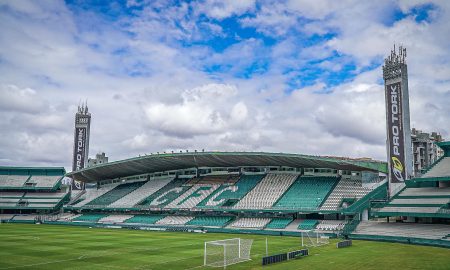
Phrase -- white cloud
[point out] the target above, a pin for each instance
(203, 110)
(154, 83)
(223, 9)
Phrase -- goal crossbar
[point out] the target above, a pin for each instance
(221, 253)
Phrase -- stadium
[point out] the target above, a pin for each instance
(197, 209)
(279, 202)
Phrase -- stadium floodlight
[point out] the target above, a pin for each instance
(314, 239)
(221, 253)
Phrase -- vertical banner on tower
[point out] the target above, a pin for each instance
(79, 154)
(396, 133)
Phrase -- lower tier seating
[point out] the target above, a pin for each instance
(331, 225)
(308, 224)
(174, 220)
(250, 223)
(414, 230)
(89, 217)
(115, 218)
(144, 219)
(6, 217)
(210, 221)
(279, 223)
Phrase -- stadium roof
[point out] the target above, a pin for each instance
(176, 161)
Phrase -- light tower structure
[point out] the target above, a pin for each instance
(399, 150)
(81, 142)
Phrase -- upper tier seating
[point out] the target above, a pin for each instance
(308, 224)
(13, 180)
(11, 194)
(193, 196)
(331, 225)
(141, 193)
(144, 219)
(116, 193)
(93, 193)
(415, 230)
(425, 192)
(21, 200)
(441, 169)
(250, 223)
(279, 223)
(115, 218)
(308, 192)
(174, 220)
(165, 195)
(45, 194)
(346, 188)
(267, 192)
(416, 201)
(210, 221)
(409, 209)
(214, 180)
(89, 217)
(420, 201)
(44, 180)
(236, 191)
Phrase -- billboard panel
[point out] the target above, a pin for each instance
(79, 154)
(396, 133)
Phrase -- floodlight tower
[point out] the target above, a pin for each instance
(398, 144)
(81, 142)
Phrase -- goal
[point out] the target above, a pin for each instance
(221, 253)
(314, 239)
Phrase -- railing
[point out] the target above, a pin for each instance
(364, 202)
(351, 226)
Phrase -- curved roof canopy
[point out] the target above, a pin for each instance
(177, 161)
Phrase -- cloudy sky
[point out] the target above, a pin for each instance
(281, 76)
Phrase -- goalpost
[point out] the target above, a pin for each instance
(314, 239)
(221, 253)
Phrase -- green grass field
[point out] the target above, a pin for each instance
(29, 246)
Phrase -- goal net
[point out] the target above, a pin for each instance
(221, 253)
(314, 239)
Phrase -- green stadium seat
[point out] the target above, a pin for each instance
(90, 217)
(279, 223)
(115, 194)
(210, 221)
(172, 191)
(144, 219)
(308, 192)
(308, 224)
(232, 192)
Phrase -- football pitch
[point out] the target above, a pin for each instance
(30, 246)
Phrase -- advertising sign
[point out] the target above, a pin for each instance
(396, 142)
